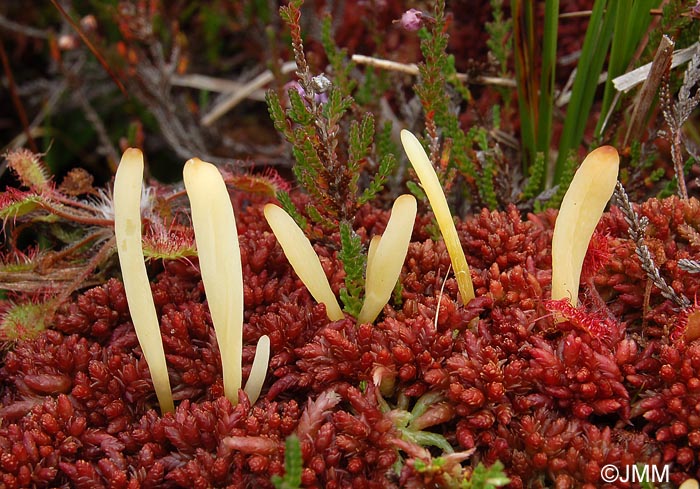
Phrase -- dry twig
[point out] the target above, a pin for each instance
(637, 233)
(412, 69)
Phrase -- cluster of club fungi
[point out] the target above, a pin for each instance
(552, 352)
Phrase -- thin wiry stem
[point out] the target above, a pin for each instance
(677, 112)
(26, 30)
(637, 232)
(15, 98)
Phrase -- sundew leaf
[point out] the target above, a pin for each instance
(23, 321)
(171, 245)
(29, 168)
(14, 204)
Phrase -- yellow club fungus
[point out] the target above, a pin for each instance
(386, 257)
(127, 228)
(431, 185)
(220, 265)
(581, 209)
(304, 260)
(258, 370)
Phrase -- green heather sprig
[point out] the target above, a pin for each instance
(451, 150)
(354, 263)
(500, 42)
(551, 198)
(487, 170)
(438, 77)
(293, 465)
(326, 166)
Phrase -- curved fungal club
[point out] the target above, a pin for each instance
(386, 256)
(220, 263)
(579, 213)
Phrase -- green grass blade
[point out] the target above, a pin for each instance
(632, 20)
(527, 81)
(590, 66)
(535, 91)
(547, 78)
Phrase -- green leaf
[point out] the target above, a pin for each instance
(417, 191)
(487, 478)
(632, 20)
(286, 202)
(386, 168)
(298, 112)
(590, 65)
(278, 116)
(427, 438)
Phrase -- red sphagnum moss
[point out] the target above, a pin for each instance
(617, 381)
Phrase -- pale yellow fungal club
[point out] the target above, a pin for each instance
(431, 185)
(689, 484)
(258, 370)
(304, 260)
(579, 213)
(386, 257)
(220, 264)
(371, 253)
(127, 229)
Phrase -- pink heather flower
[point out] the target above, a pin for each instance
(320, 98)
(412, 20)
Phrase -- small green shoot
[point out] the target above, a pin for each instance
(354, 261)
(293, 465)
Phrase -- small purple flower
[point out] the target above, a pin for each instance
(412, 20)
(296, 86)
(319, 98)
